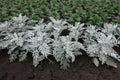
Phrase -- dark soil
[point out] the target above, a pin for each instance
(81, 69)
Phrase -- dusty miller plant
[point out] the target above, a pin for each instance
(99, 43)
(20, 39)
(21, 36)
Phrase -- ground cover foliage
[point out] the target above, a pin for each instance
(94, 12)
(60, 39)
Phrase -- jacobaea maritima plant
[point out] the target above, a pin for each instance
(22, 36)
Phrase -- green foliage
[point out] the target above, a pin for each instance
(88, 11)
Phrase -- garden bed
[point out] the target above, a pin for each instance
(81, 69)
(72, 42)
(37, 51)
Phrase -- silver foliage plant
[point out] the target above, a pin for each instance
(21, 36)
(99, 44)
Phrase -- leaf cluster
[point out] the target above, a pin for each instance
(58, 38)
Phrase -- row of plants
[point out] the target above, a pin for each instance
(60, 39)
(94, 12)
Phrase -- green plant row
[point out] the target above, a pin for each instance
(94, 12)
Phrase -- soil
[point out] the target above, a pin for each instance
(81, 69)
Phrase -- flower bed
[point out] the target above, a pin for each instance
(58, 38)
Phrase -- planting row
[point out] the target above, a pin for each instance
(94, 12)
(60, 39)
